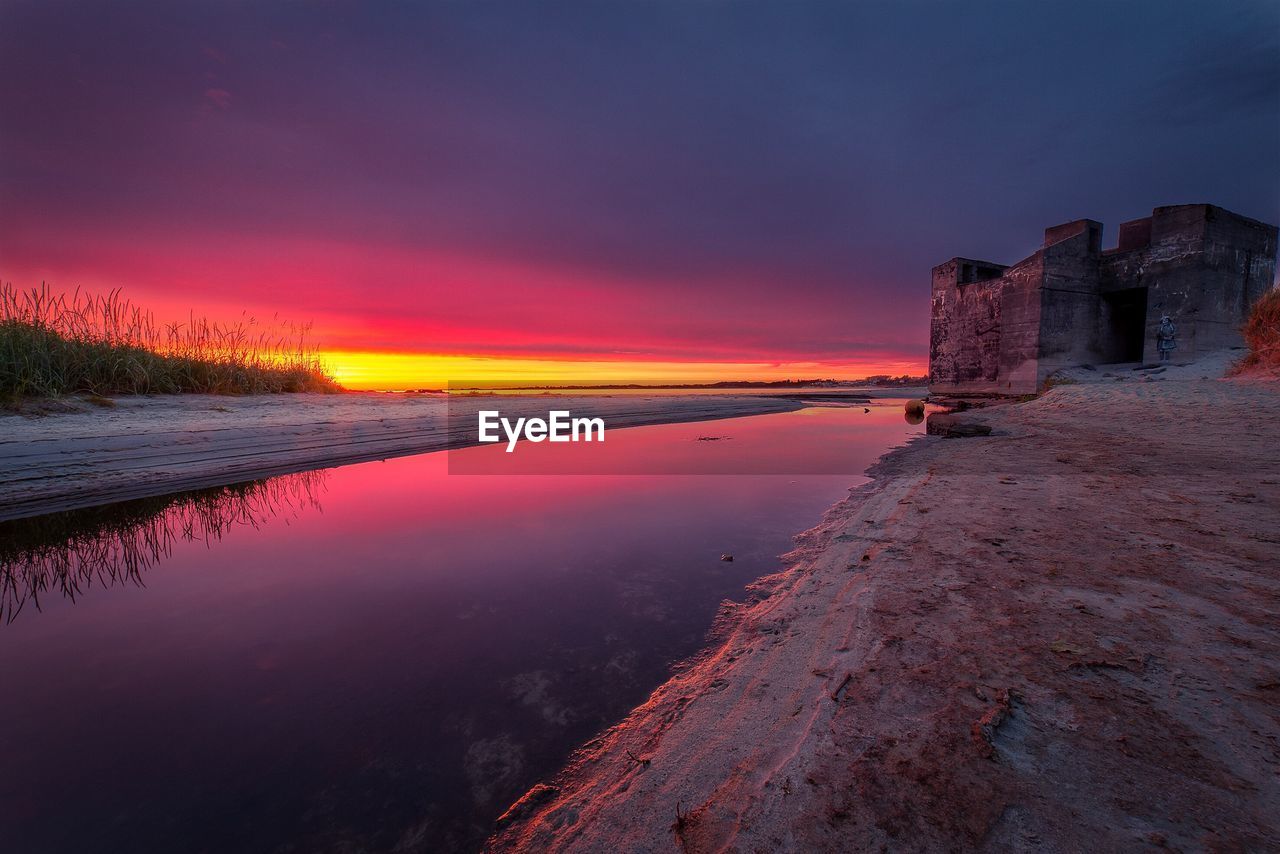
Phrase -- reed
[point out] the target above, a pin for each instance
(57, 343)
(1262, 334)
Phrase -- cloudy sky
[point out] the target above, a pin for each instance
(742, 187)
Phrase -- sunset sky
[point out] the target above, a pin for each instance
(610, 190)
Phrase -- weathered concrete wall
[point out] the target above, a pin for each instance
(1021, 308)
(1070, 297)
(990, 336)
(1135, 234)
(1090, 227)
(965, 324)
(1174, 276)
(1004, 330)
(1238, 267)
(984, 328)
(1205, 267)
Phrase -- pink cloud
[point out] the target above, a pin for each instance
(220, 98)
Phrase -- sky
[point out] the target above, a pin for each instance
(618, 190)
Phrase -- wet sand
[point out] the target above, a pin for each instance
(1058, 637)
(81, 455)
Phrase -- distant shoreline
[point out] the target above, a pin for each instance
(910, 382)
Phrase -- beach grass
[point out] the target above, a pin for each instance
(57, 343)
(1262, 334)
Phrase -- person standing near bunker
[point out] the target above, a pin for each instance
(1166, 338)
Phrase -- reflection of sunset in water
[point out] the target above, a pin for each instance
(815, 440)
(403, 662)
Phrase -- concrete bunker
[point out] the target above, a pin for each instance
(1002, 329)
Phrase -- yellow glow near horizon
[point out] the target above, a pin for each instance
(383, 371)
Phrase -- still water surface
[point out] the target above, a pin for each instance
(379, 657)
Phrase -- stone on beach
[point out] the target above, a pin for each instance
(950, 426)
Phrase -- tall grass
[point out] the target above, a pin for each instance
(59, 343)
(1262, 334)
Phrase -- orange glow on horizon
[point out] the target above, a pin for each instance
(379, 371)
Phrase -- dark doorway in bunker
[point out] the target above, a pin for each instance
(1128, 324)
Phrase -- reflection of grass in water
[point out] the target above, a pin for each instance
(64, 553)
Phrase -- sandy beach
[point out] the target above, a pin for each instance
(79, 454)
(1058, 637)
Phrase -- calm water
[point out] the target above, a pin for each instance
(376, 657)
